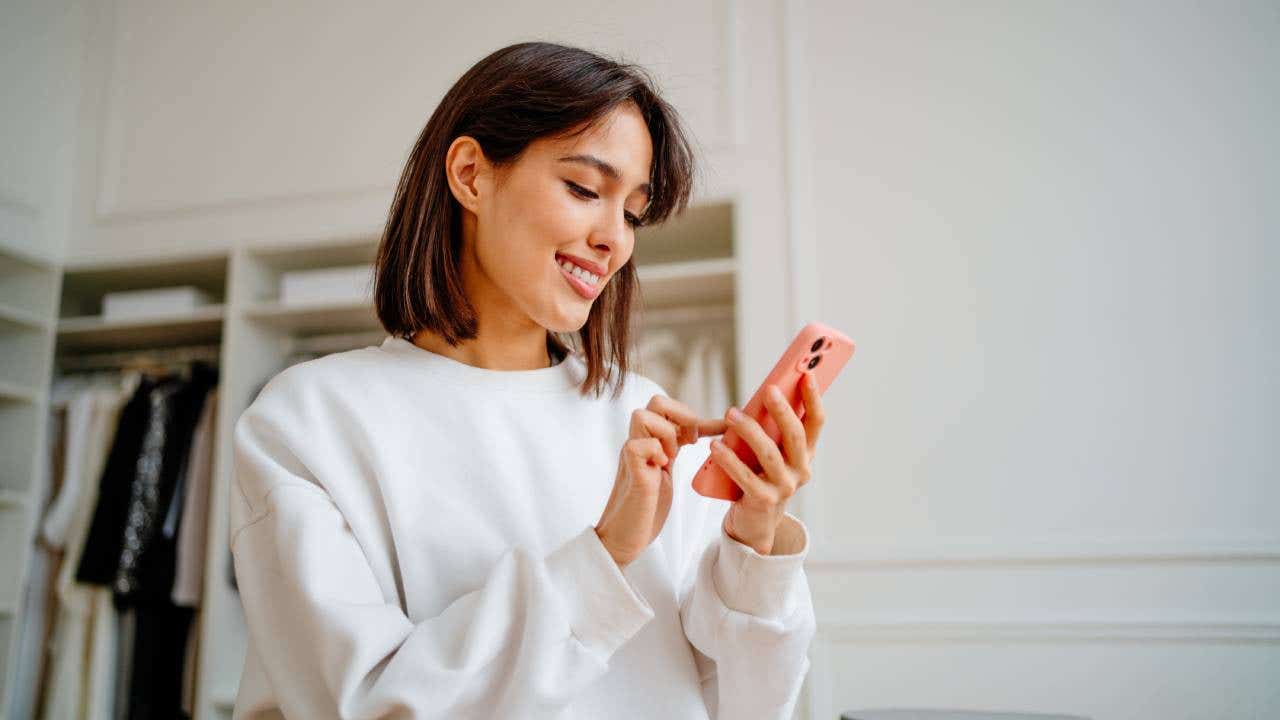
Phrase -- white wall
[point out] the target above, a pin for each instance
(42, 45)
(234, 121)
(1051, 227)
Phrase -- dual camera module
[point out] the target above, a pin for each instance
(810, 362)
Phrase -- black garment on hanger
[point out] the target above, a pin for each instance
(159, 658)
(162, 629)
(101, 552)
(155, 565)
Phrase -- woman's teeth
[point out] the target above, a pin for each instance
(579, 273)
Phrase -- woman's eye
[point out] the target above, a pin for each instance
(577, 189)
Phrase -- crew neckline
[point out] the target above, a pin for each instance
(564, 375)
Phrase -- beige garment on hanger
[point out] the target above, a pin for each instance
(193, 529)
(81, 683)
(662, 357)
(704, 385)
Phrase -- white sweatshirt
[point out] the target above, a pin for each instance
(414, 538)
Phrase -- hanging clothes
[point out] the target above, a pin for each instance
(162, 628)
(704, 384)
(193, 525)
(101, 555)
(661, 356)
(81, 683)
(193, 519)
(42, 566)
(131, 544)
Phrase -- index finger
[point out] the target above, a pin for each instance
(712, 426)
(690, 425)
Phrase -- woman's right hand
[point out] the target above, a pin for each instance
(641, 497)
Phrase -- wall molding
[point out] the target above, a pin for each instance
(733, 95)
(802, 273)
(109, 211)
(835, 632)
(857, 630)
(1046, 552)
(230, 205)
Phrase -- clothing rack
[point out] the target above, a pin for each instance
(335, 342)
(689, 314)
(169, 356)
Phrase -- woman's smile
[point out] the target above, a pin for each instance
(584, 282)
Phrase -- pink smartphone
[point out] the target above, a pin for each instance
(817, 348)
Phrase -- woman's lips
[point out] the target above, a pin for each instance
(582, 288)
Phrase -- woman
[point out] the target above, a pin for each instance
(460, 523)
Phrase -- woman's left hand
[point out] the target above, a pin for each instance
(755, 518)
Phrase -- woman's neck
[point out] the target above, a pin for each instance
(506, 338)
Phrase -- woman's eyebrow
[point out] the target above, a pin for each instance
(609, 171)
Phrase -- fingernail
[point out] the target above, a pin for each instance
(734, 414)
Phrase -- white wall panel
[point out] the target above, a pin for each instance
(1037, 671)
(1047, 225)
(1050, 481)
(41, 46)
(238, 120)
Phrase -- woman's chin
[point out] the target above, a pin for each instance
(569, 320)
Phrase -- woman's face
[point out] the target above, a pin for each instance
(564, 201)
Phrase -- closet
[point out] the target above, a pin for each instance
(53, 327)
(28, 305)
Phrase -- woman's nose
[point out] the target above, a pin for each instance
(610, 237)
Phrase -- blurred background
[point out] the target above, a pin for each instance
(1048, 481)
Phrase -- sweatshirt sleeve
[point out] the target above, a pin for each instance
(524, 644)
(750, 617)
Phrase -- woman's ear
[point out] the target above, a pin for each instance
(465, 165)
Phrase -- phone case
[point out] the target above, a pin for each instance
(831, 348)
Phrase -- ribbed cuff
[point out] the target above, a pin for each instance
(761, 585)
(604, 610)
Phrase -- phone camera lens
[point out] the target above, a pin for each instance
(817, 344)
(814, 362)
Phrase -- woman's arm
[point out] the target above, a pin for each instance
(749, 616)
(525, 644)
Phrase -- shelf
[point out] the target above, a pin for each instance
(701, 231)
(282, 257)
(14, 392)
(13, 317)
(689, 282)
(14, 260)
(28, 289)
(201, 326)
(663, 285)
(12, 498)
(314, 317)
(84, 287)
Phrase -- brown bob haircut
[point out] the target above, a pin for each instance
(510, 98)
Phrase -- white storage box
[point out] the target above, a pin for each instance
(347, 284)
(156, 301)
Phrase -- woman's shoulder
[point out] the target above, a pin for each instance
(308, 385)
(638, 388)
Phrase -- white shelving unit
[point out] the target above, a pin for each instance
(29, 289)
(688, 278)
